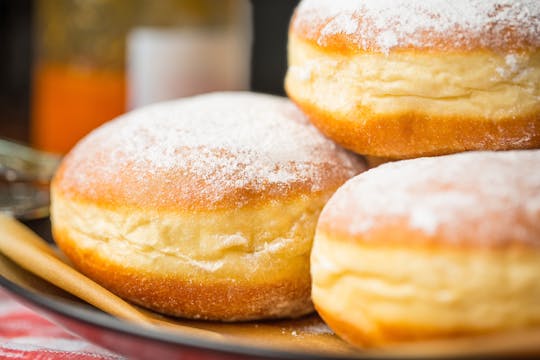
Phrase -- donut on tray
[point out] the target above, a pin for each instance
(431, 248)
(202, 208)
(401, 79)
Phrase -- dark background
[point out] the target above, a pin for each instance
(270, 22)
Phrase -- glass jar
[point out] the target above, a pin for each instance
(97, 58)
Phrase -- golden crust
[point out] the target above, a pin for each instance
(468, 200)
(179, 155)
(355, 29)
(179, 189)
(386, 334)
(360, 337)
(184, 296)
(398, 232)
(410, 135)
(343, 43)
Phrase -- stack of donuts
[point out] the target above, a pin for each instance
(242, 206)
(438, 246)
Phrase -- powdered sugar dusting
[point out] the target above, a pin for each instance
(512, 62)
(491, 197)
(385, 24)
(343, 23)
(222, 142)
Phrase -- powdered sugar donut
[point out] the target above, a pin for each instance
(203, 207)
(401, 78)
(432, 247)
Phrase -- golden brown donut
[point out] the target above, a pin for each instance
(431, 247)
(202, 208)
(401, 79)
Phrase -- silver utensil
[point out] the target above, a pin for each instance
(25, 176)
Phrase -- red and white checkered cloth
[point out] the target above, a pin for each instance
(26, 335)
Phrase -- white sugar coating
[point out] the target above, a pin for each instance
(314, 329)
(480, 197)
(516, 66)
(512, 62)
(343, 23)
(411, 22)
(228, 140)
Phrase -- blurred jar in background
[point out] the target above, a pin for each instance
(204, 47)
(97, 58)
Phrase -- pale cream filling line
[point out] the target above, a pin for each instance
(446, 289)
(243, 241)
(479, 84)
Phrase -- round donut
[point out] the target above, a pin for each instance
(401, 79)
(431, 248)
(201, 208)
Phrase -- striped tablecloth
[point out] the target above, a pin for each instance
(24, 334)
